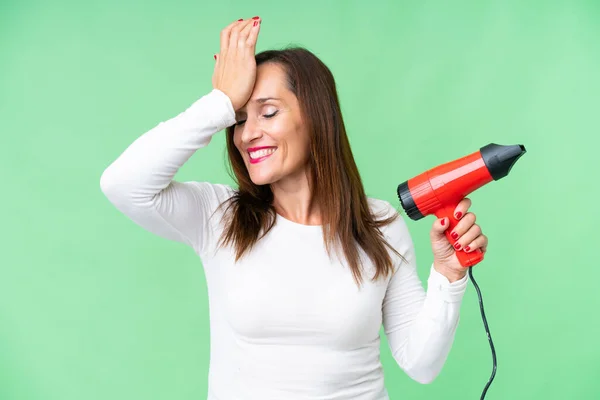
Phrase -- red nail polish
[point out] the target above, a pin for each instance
(467, 248)
(255, 17)
(458, 215)
(241, 19)
(215, 56)
(443, 221)
(255, 23)
(457, 246)
(454, 235)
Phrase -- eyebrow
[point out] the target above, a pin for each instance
(265, 99)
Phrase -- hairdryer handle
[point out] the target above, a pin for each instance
(465, 259)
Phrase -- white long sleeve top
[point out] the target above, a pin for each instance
(286, 321)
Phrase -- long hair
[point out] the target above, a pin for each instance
(337, 187)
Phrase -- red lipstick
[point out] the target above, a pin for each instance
(251, 149)
(262, 157)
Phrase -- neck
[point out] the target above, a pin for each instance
(292, 200)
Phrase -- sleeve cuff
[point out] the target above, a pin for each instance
(228, 117)
(440, 286)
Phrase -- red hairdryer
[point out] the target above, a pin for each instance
(439, 190)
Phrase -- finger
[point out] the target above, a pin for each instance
(253, 35)
(463, 225)
(243, 37)
(225, 35)
(468, 239)
(439, 227)
(462, 208)
(235, 34)
(480, 242)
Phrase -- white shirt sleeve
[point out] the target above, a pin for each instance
(140, 184)
(420, 325)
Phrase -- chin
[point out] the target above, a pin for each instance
(262, 179)
(259, 181)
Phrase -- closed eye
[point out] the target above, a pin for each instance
(265, 115)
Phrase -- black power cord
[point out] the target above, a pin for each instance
(487, 330)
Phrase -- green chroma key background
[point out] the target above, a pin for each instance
(92, 307)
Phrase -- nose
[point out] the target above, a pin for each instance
(251, 131)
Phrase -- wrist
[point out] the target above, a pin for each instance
(452, 275)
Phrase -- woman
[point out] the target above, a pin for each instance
(302, 268)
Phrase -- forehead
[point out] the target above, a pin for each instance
(271, 82)
(269, 77)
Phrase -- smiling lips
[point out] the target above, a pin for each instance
(258, 154)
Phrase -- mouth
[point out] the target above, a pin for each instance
(259, 154)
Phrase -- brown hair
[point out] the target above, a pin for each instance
(338, 189)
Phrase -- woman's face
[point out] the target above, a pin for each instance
(270, 134)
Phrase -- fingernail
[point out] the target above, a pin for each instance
(255, 23)
(443, 221)
(454, 235)
(215, 56)
(458, 215)
(241, 19)
(457, 245)
(467, 248)
(255, 17)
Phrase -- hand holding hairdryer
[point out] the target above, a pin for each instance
(442, 191)
(468, 237)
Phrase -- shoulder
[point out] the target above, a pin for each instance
(210, 196)
(396, 232)
(383, 209)
(216, 191)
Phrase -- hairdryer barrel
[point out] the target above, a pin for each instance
(439, 190)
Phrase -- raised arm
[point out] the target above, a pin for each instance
(140, 181)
